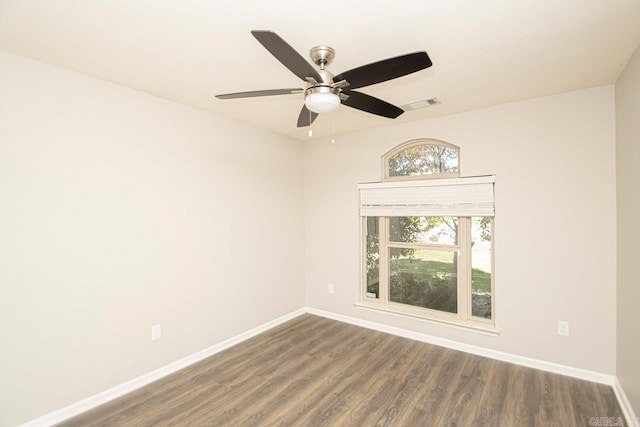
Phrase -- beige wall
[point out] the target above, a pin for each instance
(628, 210)
(119, 210)
(554, 162)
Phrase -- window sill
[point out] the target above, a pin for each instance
(485, 329)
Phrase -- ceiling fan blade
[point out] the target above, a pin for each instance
(255, 93)
(286, 54)
(370, 104)
(306, 117)
(384, 70)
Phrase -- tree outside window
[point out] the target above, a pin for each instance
(439, 263)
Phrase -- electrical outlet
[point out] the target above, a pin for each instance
(563, 328)
(330, 288)
(156, 332)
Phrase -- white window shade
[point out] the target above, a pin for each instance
(471, 196)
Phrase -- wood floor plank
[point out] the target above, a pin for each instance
(463, 404)
(554, 408)
(121, 409)
(351, 384)
(517, 406)
(379, 400)
(276, 386)
(313, 371)
(426, 409)
(411, 373)
(491, 403)
(360, 344)
(610, 403)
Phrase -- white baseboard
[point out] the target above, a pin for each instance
(122, 389)
(467, 348)
(627, 409)
(129, 386)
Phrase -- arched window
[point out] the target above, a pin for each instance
(422, 159)
(427, 237)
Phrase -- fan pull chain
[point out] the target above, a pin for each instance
(310, 130)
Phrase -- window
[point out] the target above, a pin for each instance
(427, 243)
(422, 158)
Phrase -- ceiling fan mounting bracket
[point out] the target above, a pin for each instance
(322, 55)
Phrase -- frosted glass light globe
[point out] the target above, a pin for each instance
(321, 102)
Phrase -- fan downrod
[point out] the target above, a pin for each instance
(322, 55)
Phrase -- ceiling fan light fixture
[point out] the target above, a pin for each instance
(322, 99)
(325, 91)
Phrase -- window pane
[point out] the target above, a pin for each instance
(481, 267)
(373, 258)
(424, 160)
(434, 230)
(424, 278)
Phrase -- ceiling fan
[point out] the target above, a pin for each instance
(324, 91)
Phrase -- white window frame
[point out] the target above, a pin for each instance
(464, 315)
(463, 318)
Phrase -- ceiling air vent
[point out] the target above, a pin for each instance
(420, 104)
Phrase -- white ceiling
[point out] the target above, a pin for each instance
(484, 52)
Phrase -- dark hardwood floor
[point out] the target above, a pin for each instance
(313, 371)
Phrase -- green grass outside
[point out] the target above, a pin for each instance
(439, 264)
